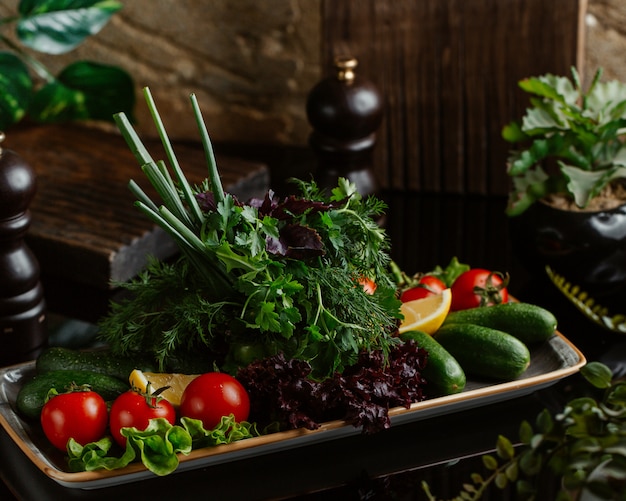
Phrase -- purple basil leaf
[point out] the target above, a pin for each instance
(275, 246)
(266, 204)
(294, 206)
(206, 201)
(301, 241)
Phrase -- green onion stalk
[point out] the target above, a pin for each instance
(182, 221)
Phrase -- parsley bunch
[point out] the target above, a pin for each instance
(258, 278)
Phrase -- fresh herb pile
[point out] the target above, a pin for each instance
(255, 279)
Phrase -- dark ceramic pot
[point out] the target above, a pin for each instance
(586, 248)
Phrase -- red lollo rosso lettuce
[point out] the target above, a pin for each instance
(282, 391)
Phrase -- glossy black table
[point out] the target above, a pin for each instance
(425, 231)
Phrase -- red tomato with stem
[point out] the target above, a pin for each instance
(428, 285)
(213, 395)
(479, 287)
(136, 409)
(79, 414)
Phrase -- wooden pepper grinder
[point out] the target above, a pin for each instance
(23, 330)
(345, 110)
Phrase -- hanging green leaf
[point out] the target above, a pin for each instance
(56, 103)
(107, 89)
(15, 89)
(83, 90)
(59, 26)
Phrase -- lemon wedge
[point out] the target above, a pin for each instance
(176, 382)
(426, 314)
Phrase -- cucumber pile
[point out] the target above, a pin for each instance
(489, 342)
(59, 368)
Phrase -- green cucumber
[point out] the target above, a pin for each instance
(527, 322)
(485, 352)
(102, 361)
(33, 393)
(443, 373)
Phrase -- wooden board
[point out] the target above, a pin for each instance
(449, 70)
(85, 228)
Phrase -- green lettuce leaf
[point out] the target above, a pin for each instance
(158, 446)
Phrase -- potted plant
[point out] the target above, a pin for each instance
(573, 154)
(82, 90)
(568, 171)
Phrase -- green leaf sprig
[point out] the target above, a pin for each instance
(263, 277)
(82, 90)
(583, 446)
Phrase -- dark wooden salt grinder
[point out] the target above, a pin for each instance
(23, 329)
(345, 110)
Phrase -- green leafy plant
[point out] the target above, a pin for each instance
(570, 142)
(583, 446)
(82, 90)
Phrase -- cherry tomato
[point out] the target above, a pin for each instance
(369, 286)
(479, 287)
(213, 395)
(81, 415)
(428, 285)
(133, 408)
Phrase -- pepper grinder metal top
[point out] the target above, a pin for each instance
(23, 329)
(345, 110)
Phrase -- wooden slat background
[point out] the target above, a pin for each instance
(449, 71)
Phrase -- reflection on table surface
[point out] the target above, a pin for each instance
(425, 231)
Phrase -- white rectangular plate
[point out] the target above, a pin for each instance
(550, 362)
